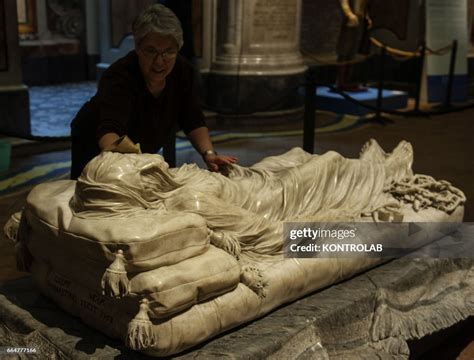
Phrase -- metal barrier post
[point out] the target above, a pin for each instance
(378, 114)
(420, 78)
(452, 66)
(381, 82)
(309, 112)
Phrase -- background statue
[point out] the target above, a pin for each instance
(354, 27)
(360, 18)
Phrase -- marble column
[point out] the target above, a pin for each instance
(256, 65)
(207, 16)
(92, 37)
(14, 99)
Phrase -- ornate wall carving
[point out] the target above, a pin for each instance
(65, 18)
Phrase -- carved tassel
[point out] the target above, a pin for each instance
(115, 281)
(253, 278)
(12, 226)
(24, 259)
(140, 333)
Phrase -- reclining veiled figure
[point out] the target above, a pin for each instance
(242, 214)
(245, 210)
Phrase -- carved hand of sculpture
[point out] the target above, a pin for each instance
(225, 242)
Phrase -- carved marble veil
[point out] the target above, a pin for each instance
(245, 211)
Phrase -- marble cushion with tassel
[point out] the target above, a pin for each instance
(147, 239)
(169, 289)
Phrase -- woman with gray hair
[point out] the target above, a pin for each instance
(143, 97)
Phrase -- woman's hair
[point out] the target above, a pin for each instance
(159, 19)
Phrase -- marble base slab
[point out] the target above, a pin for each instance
(359, 318)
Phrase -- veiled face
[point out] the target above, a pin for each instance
(125, 170)
(148, 161)
(114, 182)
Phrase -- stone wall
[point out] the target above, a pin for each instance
(14, 100)
(320, 23)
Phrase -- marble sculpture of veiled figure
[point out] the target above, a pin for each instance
(246, 210)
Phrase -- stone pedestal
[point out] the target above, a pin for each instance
(373, 315)
(256, 64)
(14, 99)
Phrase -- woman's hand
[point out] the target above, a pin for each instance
(218, 163)
(352, 20)
(202, 143)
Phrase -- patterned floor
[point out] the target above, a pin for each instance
(53, 107)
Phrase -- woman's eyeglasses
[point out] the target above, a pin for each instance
(152, 53)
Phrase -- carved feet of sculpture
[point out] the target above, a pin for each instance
(397, 163)
(371, 151)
